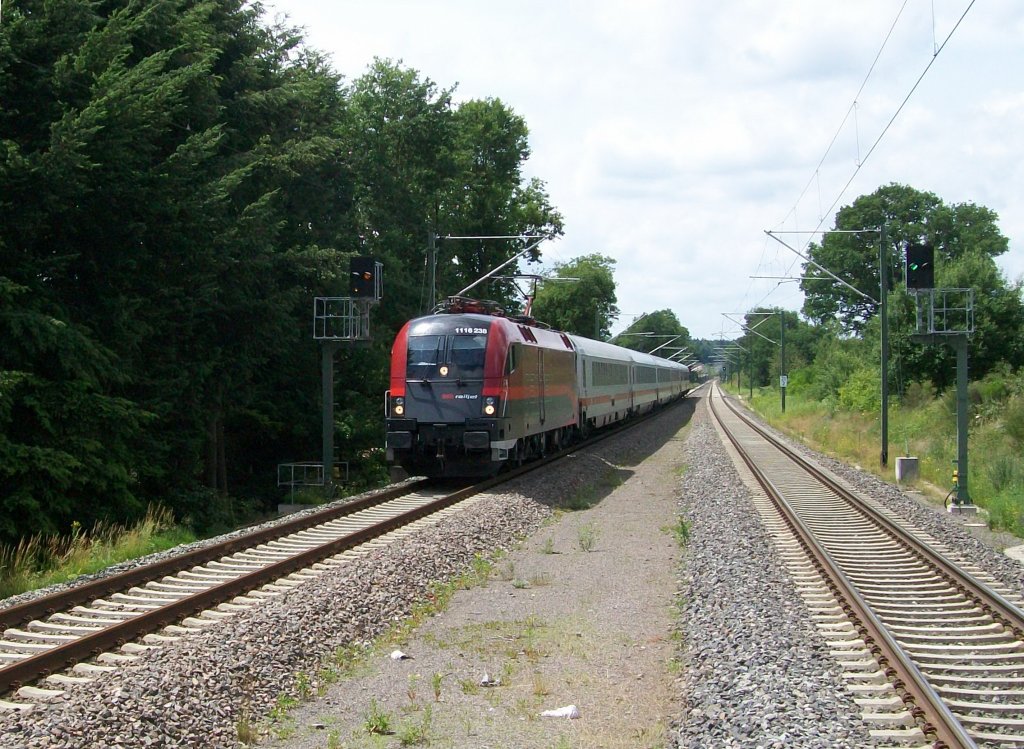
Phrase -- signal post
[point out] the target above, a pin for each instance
(945, 316)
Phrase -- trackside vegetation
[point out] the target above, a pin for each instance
(178, 181)
(922, 424)
(832, 349)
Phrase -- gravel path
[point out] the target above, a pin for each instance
(656, 644)
(580, 614)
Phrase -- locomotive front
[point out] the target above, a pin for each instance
(444, 415)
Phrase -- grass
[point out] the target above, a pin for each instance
(681, 531)
(377, 722)
(586, 537)
(927, 431)
(39, 561)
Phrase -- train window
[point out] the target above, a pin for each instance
(609, 373)
(425, 353)
(468, 355)
(511, 360)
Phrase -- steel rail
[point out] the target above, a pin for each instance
(62, 656)
(32, 668)
(924, 703)
(989, 600)
(85, 592)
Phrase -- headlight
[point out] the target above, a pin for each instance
(398, 406)
(490, 405)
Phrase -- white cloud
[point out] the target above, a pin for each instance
(672, 134)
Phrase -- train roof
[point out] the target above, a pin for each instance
(486, 311)
(590, 347)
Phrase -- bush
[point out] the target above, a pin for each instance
(1013, 420)
(918, 394)
(862, 392)
(1006, 511)
(1004, 472)
(208, 512)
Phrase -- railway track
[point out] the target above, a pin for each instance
(92, 628)
(54, 642)
(933, 651)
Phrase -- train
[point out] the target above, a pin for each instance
(473, 390)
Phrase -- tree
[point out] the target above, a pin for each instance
(998, 324)
(179, 182)
(488, 198)
(966, 238)
(910, 217)
(587, 306)
(63, 440)
(762, 343)
(160, 160)
(906, 214)
(655, 329)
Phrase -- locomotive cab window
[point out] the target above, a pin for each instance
(468, 355)
(425, 353)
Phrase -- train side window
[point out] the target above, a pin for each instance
(512, 360)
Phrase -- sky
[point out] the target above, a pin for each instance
(672, 134)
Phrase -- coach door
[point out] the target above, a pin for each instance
(632, 388)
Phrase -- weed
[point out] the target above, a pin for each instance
(520, 583)
(378, 722)
(540, 686)
(469, 686)
(586, 537)
(346, 658)
(481, 569)
(681, 530)
(324, 678)
(435, 683)
(412, 733)
(539, 580)
(245, 730)
(303, 686)
(282, 705)
(525, 709)
(548, 547)
(506, 571)
(334, 740)
(410, 687)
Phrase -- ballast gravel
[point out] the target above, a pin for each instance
(199, 691)
(755, 674)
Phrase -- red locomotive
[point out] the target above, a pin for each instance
(473, 389)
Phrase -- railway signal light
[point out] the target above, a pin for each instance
(920, 266)
(362, 277)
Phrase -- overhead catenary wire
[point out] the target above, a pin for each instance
(851, 110)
